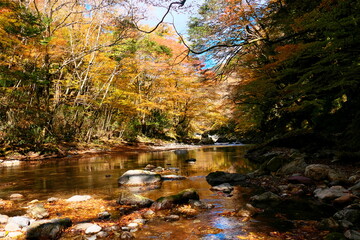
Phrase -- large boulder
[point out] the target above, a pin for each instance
(182, 197)
(266, 199)
(219, 177)
(295, 166)
(129, 198)
(49, 230)
(139, 177)
(317, 171)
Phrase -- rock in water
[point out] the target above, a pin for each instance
(139, 177)
(172, 177)
(79, 198)
(129, 198)
(219, 177)
(48, 231)
(182, 197)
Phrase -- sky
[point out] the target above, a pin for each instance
(180, 18)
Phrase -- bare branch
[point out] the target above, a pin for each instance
(163, 18)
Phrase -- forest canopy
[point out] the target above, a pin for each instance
(296, 63)
(84, 71)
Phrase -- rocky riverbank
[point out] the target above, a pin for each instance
(294, 190)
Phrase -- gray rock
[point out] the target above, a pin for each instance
(225, 187)
(352, 235)
(94, 228)
(219, 177)
(172, 218)
(102, 234)
(329, 224)
(330, 193)
(82, 226)
(346, 224)
(356, 187)
(3, 219)
(37, 211)
(265, 200)
(317, 171)
(139, 177)
(104, 215)
(351, 215)
(296, 166)
(149, 214)
(182, 197)
(335, 176)
(129, 198)
(127, 235)
(50, 230)
(79, 198)
(275, 163)
(200, 204)
(265, 197)
(172, 177)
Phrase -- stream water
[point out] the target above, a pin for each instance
(97, 176)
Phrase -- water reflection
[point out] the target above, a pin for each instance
(97, 176)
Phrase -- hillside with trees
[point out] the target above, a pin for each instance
(297, 65)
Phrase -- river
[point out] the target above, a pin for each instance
(97, 176)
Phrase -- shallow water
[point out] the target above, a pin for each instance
(97, 176)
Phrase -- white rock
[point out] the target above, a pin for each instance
(139, 221)
(2, 234)
(102, 234)
(133, 225)
(14, 234)
(93, 229)
(79, 198)
(93, 237)
(3, 219)
(82, 226)
(12, 227)
(21, 221)
(16, 196)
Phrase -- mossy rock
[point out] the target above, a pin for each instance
(182, 197)
(335, 236)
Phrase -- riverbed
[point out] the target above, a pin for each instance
(97, 176)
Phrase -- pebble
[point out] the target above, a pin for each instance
(93, 229)
(16, 196)
(14, 234)
(12, 227)
(3, 219)
(79, 198)
(132, 226)
(52, 199)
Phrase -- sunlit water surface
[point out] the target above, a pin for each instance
(97, 176)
